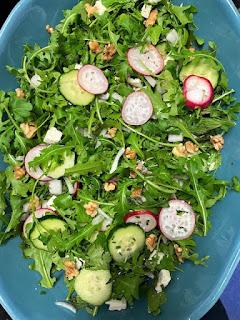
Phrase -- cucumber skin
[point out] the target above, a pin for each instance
(34, 234)
(94, 293)
(71, 90)
(202, 67)
(133, 231)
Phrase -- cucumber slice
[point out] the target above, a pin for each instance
(202, 67)
(46, 224)
(125, 242)
(68, 162)
(93, 286)
(71, 90)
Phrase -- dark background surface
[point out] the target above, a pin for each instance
(217, 312)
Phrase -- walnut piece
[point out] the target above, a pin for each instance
(178, 252)
(151, 242)
(151, 20)
(112, 132)
(132, 175)
(20, 93)
(185, 150)
(110, 186)
(191, 49)
(29, 129)
(94, 46)
(34, 203)
(91, 208)
(109, 52)
(71, 270)
(217, 141)
(179, 150)
(130, 154)
(191, 148)
(49, 28)
(136, 193)
(90, 9)
(19, 172)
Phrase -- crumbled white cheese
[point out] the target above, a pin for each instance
(20, 158)
(55, 187)
(106, 224)
(49, 203)
(100, 7)
(80, 263)
(172, 36)
(164, 278)
(153, 1)
(117, 305)
(35, 81)
(78, 66)
(104, 96)
(175, 137)
(156, 254)
(52, 136)
(135, 82)
(145, 11)
(117, 96)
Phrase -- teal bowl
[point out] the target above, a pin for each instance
(192, 292)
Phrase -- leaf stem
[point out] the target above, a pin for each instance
(223, 95)
(98, 112)
(147, 137)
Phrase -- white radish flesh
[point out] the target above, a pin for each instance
(144, 218)
(137, 109)
(39, 213)
(178, 221)
(147, 61)
(92, 79)
(55, 187)
(37, 172)
(198, 92)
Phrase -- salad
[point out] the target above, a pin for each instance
(111, 143)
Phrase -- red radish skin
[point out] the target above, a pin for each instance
(198, 92)
(137, 109)
(146, 62)
(144, 218)
(176, 226)
(92, 79)
(35, 173)
(39, 213)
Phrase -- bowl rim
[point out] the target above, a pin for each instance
(222, 282)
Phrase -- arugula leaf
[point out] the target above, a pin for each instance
(92, 167)
(127, 286)
(21, 109)
(155, 300)
(98, 259)
(236, 184)
(42, 264)
(198, 194)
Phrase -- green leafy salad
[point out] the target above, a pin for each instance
(112, 141)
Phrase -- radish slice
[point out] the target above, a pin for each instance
(178, 221)
(198, 92)
(146, 62)
(35, 173)
(92, 79)
(72, 188)
(137, 109)
(144, 218)
(39, 213)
